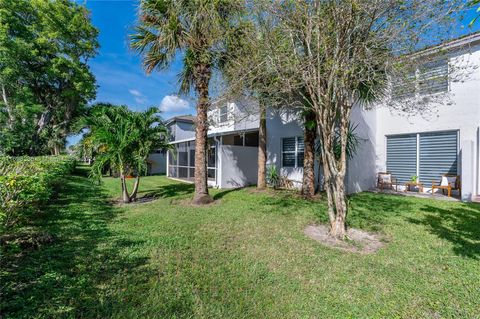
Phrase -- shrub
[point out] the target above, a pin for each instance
(26, 182)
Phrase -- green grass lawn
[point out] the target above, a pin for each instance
(244, 257)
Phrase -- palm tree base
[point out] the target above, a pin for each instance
(202, 199)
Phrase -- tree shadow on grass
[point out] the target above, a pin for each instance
(372, 211)
(167, 191)
(82, 271)
(460, 225)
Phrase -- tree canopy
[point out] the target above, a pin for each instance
(45, 81)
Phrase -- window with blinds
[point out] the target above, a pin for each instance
(437, 155)
(433, 77)
(429, 78)
(402, 156)
(293, 149)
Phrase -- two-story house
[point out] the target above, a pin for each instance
(443, 138)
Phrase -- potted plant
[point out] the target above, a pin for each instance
(414, 179)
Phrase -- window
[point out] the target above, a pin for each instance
(429, 78)
(293, 149)
(181, 160)
(223, 114)
(433, 77)
(426, 155)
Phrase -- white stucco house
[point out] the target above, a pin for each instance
(441, 137)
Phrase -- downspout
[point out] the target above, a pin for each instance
(217, 149)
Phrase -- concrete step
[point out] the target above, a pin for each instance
(476, 199)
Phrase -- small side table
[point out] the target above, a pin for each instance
(409, 185)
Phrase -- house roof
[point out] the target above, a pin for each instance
(181, 118)
(466, 40)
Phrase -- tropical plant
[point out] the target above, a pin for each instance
(272, 176)
(123, 139)
(26, 182)
(198, 29)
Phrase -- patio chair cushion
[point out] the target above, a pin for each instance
(448, 180)
(385, 178)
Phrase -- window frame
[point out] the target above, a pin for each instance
(225, 114)
(296, 152)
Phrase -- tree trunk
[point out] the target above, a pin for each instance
(334, 174)
(125, 195)
(262, 149)
(133, 196)
(308, 184)
(202, 79)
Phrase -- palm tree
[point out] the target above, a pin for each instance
(198, 30)
(123, 140)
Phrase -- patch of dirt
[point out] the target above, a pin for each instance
(358, 241)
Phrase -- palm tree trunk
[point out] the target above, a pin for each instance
(125, 195)
(262, 149)
(133, 196)
(308, 185)
(201, 195)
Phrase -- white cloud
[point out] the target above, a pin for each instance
(173, 103)
(139, 97)
(135, 92)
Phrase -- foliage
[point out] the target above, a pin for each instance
(331, 56)
(199, 30)
(123, 139)
(474, 3)
(273, 177)
(45, 81)
(414, 178)
(26, 182)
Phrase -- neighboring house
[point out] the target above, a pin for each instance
(232, 147)
(442, 137)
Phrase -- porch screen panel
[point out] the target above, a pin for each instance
(402, 156)
(438, 155)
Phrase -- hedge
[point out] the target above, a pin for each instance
(27, 182)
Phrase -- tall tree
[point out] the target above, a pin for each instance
(44, 77)
(336, 55)
(309, 135)
(198, 30)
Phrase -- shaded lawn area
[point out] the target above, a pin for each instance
(245, 256)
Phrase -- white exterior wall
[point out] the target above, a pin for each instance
(281, 124)
(183, 130)
(462, 113)
(242, 116)
(363, 166)
(238, 166)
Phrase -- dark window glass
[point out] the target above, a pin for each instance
(211, 157)
(289, 144)
(211, 174)
(182, 172)
(238, 140)
(223, 114)
(288, 160)
(251, 139)
(300, 159)
(182, 154)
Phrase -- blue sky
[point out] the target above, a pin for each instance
(118, 70)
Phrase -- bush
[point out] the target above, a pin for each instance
(26, 182)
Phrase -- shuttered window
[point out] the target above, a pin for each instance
(438, 155)
(293, 149)
(402, 156)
